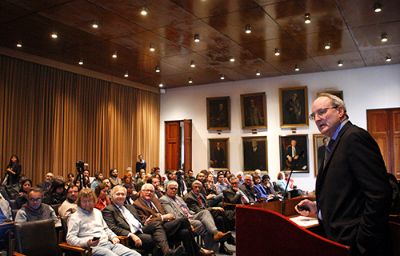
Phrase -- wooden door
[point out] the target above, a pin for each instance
(172, 145)
(384, 126)
(187, 134)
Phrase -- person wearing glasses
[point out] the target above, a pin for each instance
(353, 194)
(34, 209)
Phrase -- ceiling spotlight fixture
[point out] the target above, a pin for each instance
(19, 44)
(54, 35)
(157, 69)
(161, 85)
(307, 18)
(192, 64)
(232, 59)
(384, 38)
(296, 68)
(144, 11)
(258, 73)
(190, 81)
(277, 52)
(80, 62)
(196, 38)
(388, 59)
(126, 75)
(327, 46)
(222, 77)
(247, 29)
(151, 48)
(95, 25)
(377, 7)
(340, 63)
(115, 55)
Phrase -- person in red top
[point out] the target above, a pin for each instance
(102, 196)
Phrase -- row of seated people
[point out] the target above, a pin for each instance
(145, 210)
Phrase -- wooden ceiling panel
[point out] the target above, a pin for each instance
(233, 25)
(349, 60)
(161, 13)
(203, 9)
(361, 12)
(351, 27)
(370, 36)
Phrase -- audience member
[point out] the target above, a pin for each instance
(13, 171)
(87, 228)
(70, 180)
(267, 184)
(281, 183)
(113, 178)
(69, 206)
(26, 185)
(158, 189)
(46, 184)
(221, 184)
(248, 189)
(98, 178)
(35, 209)
(124, 220)
(140, 163)
(239, 175)
(149, 209)
(56, 194)
(102, 196)
(5, 211)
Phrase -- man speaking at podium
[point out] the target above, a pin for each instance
(352, 190)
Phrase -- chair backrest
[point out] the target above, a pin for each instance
(395, 237)
(36, 238)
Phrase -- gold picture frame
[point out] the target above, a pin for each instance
(255, 153)
(254, 110)
(293, 107)
(218, 154)
(218, 113)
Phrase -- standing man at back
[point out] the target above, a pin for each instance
(352, 189)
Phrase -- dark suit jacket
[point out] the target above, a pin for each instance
(116, 221)
(231, 197)
(353, 193)
(193, 203)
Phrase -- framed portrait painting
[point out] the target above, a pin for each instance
(293, 107)
(294, 153)
(218, 153)
(255, 153)
(254, 110)
(320, 142)
(218, 113)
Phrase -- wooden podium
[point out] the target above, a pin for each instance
(263, 232)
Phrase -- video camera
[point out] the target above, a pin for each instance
(80, 166)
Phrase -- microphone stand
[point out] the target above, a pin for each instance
(285, 193)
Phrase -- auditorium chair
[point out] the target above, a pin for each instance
(39, 238)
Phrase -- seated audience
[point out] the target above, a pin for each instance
(26, 185)
(248, 189)
(189, 178)
(5, 210)
(239, 175)
(149, 209)
(13, 171)
(197, 202)
(158, 188)
(70, 180)
(132, 194)
(113, 178)
(234, 195)
(267, 184)
(87, 228)
(56, 194)
(221, 184)
(35, 209)
(123, 220)
(46, 184)
(102, 196)
(201, 221)
(280, 183)
(69, 206)
(261, 192)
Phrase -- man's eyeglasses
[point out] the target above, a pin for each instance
(148, 190)
(173, 188)
(320, 112)
(35, 199)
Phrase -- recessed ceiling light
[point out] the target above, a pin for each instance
(157, 69)
(19, 44)
(340, 63)
(144, 11)
(377, 7)
(277, 52)
(95, 25)
(247, 29)
(192, 64)
(307, 18)
(190, 81)
(327, 46)
(151, 48)
(222, 77)
(115, 55)
(232, 59)
(258, 73)
(80, 62)
(296, 68)
(196, 38)
(126, 75)
(161, 85)
(54, 35)
(388, 59)
(384, 38)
